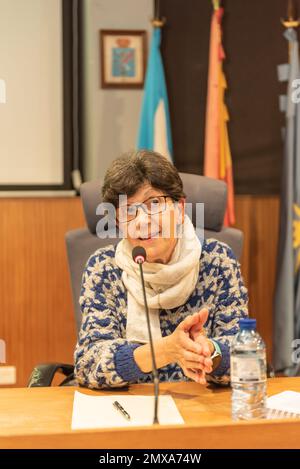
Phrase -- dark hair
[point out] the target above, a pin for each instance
(133, 169)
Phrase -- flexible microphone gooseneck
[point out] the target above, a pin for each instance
(139, 256)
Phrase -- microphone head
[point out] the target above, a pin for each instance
(139, 254)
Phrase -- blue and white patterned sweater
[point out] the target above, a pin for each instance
(103, 356)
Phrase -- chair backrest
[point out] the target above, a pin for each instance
(81, 243)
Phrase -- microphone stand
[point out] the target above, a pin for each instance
(154, 368)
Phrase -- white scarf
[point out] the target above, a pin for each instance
(167, 285)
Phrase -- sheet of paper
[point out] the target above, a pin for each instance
(284, 404)
(99, 412)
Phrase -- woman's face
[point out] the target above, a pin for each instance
(155, 231)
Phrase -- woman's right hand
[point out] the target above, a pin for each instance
(181, 349)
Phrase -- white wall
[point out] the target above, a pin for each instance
(111, 117)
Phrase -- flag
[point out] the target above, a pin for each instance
(217, 155)
(155, 127)
(287, 291)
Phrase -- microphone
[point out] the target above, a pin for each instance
(139, 256)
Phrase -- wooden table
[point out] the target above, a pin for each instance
(41, 418)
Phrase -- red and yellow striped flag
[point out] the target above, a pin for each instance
(217, 155)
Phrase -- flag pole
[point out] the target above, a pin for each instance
(157, 21)
(291, 21)
(216, 4)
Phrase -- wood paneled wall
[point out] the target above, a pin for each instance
(258, 218)
(36, 315)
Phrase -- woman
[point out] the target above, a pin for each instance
(195, 291)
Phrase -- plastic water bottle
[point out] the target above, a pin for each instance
(248, 373)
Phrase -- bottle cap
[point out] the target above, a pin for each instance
(247, 324)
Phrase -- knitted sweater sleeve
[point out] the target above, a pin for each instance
(230, 305)
(103, 358)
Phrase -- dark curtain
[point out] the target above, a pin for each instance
(254, 46)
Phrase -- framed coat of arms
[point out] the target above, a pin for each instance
(123, 58)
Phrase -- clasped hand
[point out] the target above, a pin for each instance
(189, 347)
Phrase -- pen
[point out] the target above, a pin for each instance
(118, 406)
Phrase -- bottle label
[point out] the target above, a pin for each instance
(245, 370)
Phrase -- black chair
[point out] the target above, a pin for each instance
(81, 243)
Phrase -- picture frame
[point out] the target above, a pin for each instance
(122, 58)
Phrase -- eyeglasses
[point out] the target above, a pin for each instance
(151, 206)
